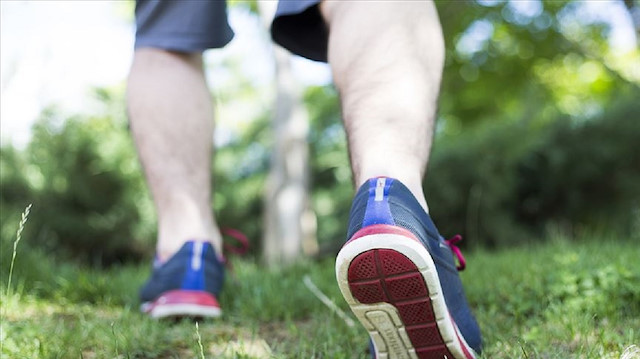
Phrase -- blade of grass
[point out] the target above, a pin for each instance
(23, 221)
(115, 338)
(199, 341)
(326, 301)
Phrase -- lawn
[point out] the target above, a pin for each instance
(553, 300)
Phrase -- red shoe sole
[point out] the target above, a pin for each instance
(183, 303)
(384, 275)
(390, 282)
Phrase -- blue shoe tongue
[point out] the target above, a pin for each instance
(378, 211)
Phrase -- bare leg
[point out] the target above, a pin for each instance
(387, 60)
(171, 117)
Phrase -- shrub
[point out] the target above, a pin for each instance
(83, 178)
(506, 183)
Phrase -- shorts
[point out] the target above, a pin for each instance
(194, 26)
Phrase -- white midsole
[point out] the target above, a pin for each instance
(181, 310)
(382, 320)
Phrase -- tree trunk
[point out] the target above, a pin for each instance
(289, 222)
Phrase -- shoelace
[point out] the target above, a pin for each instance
(240, 237)
(231, 249)
(451, 243)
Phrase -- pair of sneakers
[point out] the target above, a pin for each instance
(396, 272)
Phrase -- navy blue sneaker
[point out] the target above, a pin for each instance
(400, 279)
(187, 285)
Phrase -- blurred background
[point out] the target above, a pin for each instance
(538, 128)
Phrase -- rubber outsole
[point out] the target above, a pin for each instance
(182, 304)
(391, 284)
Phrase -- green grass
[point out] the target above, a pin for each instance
(553, 300)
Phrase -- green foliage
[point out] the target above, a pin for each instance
(561, 294)
(506, 64)
(533, 129)
(586, 174)
(502, 184)
(239, 174)
(252, 5)
(471, 182)
(557, 300)
(85, 182)
(332, 187)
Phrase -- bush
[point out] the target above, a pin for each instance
(586, 175)
(507, 183)
(83, 178)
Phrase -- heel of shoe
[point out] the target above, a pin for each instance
(183, 303)
(391, 284)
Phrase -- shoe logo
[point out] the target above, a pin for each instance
(380, 189)
(196, 258)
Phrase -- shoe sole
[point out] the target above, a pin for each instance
(182, 304)
(390, 281)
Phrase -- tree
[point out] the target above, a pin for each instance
(289, 222)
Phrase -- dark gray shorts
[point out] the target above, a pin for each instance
(197, 25)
